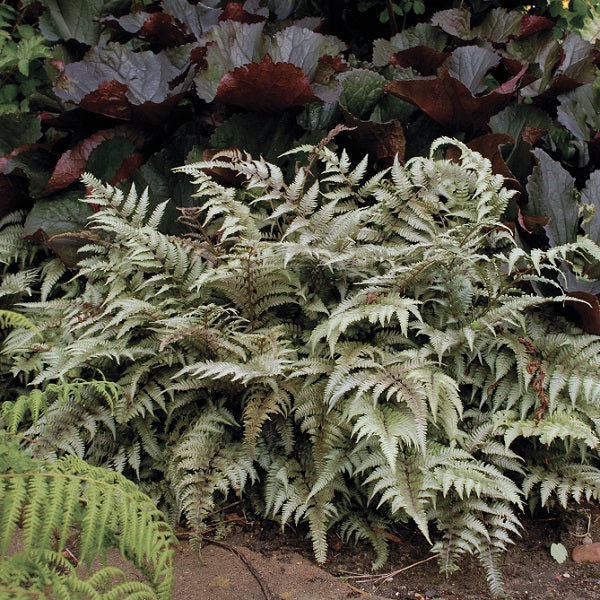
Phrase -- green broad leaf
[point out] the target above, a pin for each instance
(470, 65)
(390, 108)
(516, 117)
(499, 25)
(53, 220)
(361, 91)
(105, 160)
(552, 193)
(35, 164)
(590, 197)
(282, 8)
(421, 35)
(75, 20)
(164, 184)
(515, 120)
(454, 21)
(319, 116)
(260, 135)
(559, 553)
(578, 111)
(18, 129)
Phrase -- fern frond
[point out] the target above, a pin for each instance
(54, 497)
(9, 318)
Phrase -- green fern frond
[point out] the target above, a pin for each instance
(9, 318)
(47, 499)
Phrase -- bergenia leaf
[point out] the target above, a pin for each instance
(448, 101)
(266, 86)
(578, 59)
(361, 91)
(302, 48)
(198, 18)
(455, 21)
(382, 141)
(244, 67)
(13, 195)
(423, 59)
(229, 45)
(579, 111)
(421, 35)
(159, 26)
(551, 192)
(111, 80)
(32, 161)
(541, 49)
(74, 161)
(499, 25)
(470, 65)
(515, 118)
(18, 129)
(532, 24)
(49, 219)
(260, 135)
(75, 20)
(590, 197)
(237, 11)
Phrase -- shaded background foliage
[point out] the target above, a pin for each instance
(127, 90)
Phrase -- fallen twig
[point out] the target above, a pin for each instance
(355, 589)
(379, 579)
(268, 594)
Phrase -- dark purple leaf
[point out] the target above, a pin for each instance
(421, 35)
(423, 59)
(234, 11)
(74, 162)
(579, 111)
(240, 60)
(590, 197)
(531, 24)
(588, 311)
(159, 27)
(383, 141)
(13, 195)
(266, 86)
(449, 102)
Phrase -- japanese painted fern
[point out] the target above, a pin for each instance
(363, 351)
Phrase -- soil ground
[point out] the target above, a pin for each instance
(258, 562)
(258, 554)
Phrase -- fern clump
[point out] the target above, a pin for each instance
(362, 351)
